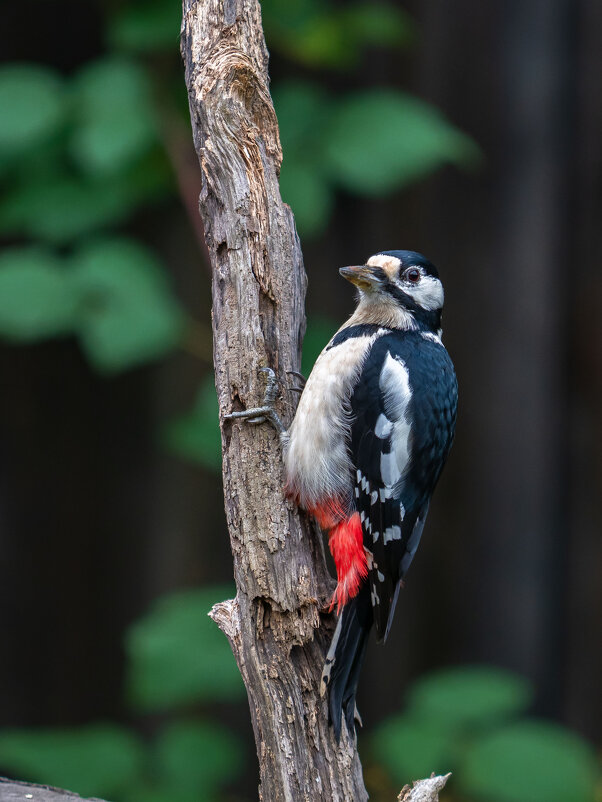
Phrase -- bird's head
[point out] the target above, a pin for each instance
(400, 289)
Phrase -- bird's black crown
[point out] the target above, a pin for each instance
(413, 258)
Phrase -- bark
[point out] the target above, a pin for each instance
(13, 791)
(424, 790)
(276, 625)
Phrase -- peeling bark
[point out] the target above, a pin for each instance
(276, 625)
(14, 791)
(424, 790)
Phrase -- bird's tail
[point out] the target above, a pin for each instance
(344, 660)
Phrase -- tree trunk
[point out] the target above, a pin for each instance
(276, 626)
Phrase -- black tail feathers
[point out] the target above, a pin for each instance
(344, 660)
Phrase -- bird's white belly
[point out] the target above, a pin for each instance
(317, 457)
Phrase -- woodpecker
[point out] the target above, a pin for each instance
(368, 442)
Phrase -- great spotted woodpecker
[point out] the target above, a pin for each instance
(370, 437)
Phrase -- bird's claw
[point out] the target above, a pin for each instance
(299, 376)
(266, 411)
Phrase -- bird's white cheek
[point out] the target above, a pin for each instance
(428, 293)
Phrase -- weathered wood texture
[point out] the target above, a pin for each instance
(275, 625)
(13, 791)
(424, 790)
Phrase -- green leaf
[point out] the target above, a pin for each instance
(468, 696)
(320, 43)
(319, 35)
(379, 141)
(116, 120)
(130, 315)
(308, 195)
(60, 209)
(37, 296)
(303, 111)
(146, 27)
(32, 106)
(413, 749)
(377, 24)
(197, 758)
(196, 436)
(99, 759)
(178, 655)
(530, 761)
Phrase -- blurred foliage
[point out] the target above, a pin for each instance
(98, 759)
(368, 143)
(468, 720)
(34, 105)
(81, 154)
(317, 33)
(177, 657)
(196, 435)
(111, 293)
(471, 721)
(176, 654)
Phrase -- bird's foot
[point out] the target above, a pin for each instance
(266, 411)
(300, 377)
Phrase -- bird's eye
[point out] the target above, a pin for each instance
(412, 275)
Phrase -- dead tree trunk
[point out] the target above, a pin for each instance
(276, 624)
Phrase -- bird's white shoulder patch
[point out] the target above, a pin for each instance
(394, 383)
(429, 335)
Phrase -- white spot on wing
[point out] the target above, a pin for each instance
(389, 469)
(394, 383)
(391, 533)
(383, 427)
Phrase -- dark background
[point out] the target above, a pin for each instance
(97, 519)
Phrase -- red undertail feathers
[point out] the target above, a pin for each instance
(347, 547)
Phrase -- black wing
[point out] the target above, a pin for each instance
(404, 408)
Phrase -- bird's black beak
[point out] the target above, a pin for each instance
(362, 276)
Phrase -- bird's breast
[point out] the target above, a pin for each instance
(317, 455)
